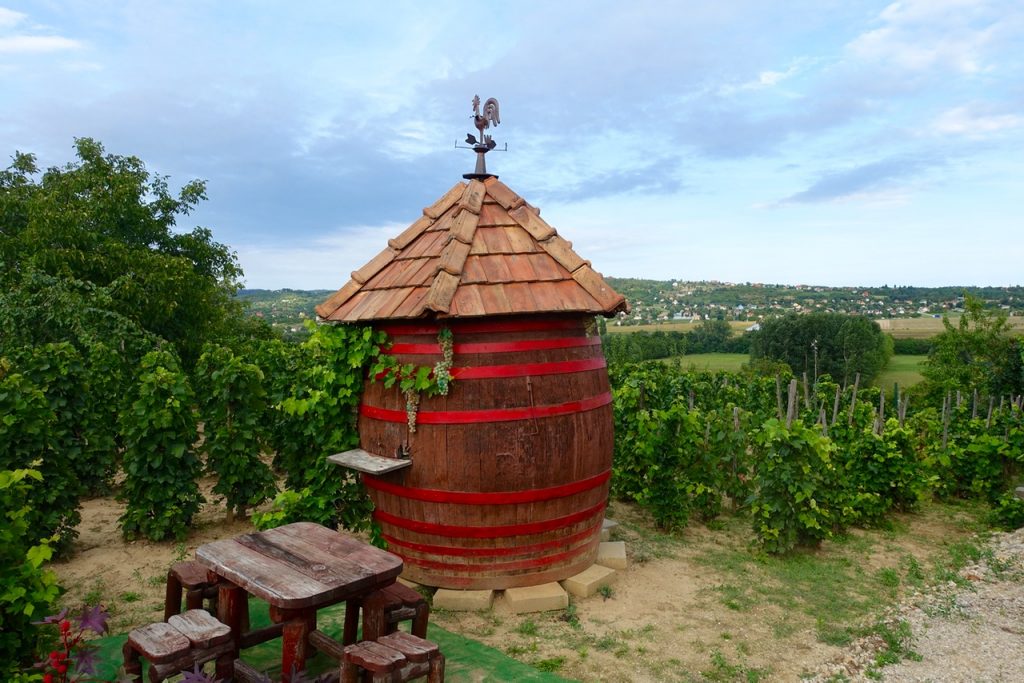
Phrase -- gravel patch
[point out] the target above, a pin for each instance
(959, 633)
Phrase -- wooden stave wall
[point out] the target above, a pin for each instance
(546, 454)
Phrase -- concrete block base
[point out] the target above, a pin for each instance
(589, 581)
(612, 554)
(542, 598)
(606, 529)
(463, 601)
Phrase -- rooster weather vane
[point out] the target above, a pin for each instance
(484, 143)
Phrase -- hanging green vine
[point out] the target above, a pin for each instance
(414, 381)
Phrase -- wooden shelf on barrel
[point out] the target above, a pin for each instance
(362, 461)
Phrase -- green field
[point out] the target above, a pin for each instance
(917, 328)
(711, 361)
(902, 370)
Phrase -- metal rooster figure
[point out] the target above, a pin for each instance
(484, 143)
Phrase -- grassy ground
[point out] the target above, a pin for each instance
(730, 362)
(904, 370)
(701, 604)
(917, 328)
(923, 328)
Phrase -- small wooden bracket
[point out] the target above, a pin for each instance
(361, 461)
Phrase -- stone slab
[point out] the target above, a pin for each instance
(542, 598)
(361, 461)
(1019, 492)
(463, 601)
(589, 581)
(607, 526)
(612, 554)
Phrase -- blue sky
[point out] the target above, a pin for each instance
(835, 143)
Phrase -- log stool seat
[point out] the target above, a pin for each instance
(185, 640)
(397, 657)
(194, 579)
(383, 610)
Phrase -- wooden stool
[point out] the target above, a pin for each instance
(193, 577)
(247, 673)
(395, 657)
(181, 643)
(382, 612)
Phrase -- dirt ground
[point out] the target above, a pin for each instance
(665, 618)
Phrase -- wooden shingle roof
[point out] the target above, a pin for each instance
(480, 250)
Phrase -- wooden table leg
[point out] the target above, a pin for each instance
(351, 621)
(298, 624)
(231, 604)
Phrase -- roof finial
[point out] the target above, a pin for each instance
(484, 144)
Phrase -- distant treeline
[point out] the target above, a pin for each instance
(711, 336)
(912, 347)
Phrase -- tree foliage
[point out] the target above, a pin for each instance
(107, 221)
(975, 354)
(824, 343)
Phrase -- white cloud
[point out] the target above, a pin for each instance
(969, 122)
(321, 263)
(918, 35)
(9, 17)
(36, 44)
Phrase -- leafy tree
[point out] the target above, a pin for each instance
(107, 221)
(709, 336)
(824, 343)
(975, 354)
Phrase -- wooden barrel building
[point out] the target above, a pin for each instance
(507, 477)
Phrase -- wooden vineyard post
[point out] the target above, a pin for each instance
(778, 395)
(793, 407)
(881, 412)
(946, 409)
(853, 399)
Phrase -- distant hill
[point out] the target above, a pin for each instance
(654, 301)
(284, 309)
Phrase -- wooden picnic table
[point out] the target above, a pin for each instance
(297, 569)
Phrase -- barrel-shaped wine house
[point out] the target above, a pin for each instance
(509, 471)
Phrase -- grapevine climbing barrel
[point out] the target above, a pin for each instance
(510, 470)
